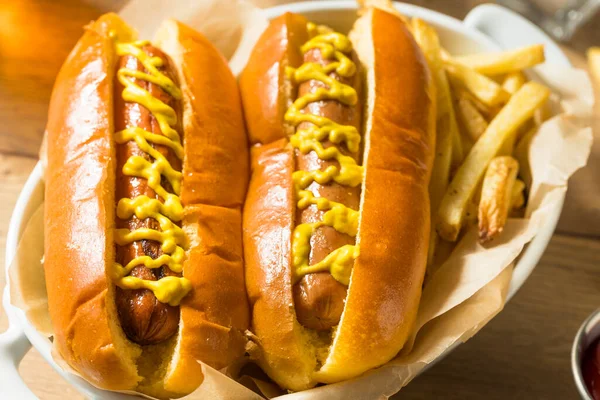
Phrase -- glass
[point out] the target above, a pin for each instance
(560, 18)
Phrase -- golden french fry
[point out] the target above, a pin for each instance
(483, 88)
(440, 177)
(458, 152)
(487, 112)
(508, 146)
(467, 145)
(429, 43)
(471, 213)
(519, 109)
(504, 62)
(518, 198)
(470, 117)
(542, 114)
(528, 125)
(496, 196)
(593, 55)
(428, 40)
(499, 79)
(445, 55)
(513, 82)
(476, 198)
(521, 153)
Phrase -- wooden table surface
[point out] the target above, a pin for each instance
(522, 353)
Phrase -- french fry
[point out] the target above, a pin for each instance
(470, 117)
(446, 128)
(428, 40)
(487, 112)
(499, 79)
(476, 198)
(542, 114)
(504, 62)
(593, 55)
(518, 198)
(467, 145)
(521, 153)
(458, 152)
(483, 88)
(496, 197)
(508, 146)
(445, 55)
(519, 109)
(471, 213)
(513, 82)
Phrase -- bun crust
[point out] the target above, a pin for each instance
(215, 315)
(266, 91)
(385, 290)
(283, 350)
(80, 213)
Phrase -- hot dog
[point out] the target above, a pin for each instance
(144, 319)
(146, 177)
(318, 297)
(336, 221)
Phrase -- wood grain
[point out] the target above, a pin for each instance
(522, 353)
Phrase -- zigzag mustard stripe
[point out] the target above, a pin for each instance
(173, 241)
(338, 216)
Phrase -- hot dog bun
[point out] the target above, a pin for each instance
(80, 216)
(397, 154)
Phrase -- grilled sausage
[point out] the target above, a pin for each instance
(318, 297)
(144, 319)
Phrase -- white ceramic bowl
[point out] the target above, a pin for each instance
(486, 28)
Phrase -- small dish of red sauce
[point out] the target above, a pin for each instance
(585, 358)
(590, 368)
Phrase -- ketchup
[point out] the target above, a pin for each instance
(591, 369)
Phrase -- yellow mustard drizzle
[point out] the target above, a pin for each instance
(343, 219)
(169, 289)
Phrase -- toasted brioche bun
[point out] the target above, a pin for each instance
(399, 146)
(80, 216)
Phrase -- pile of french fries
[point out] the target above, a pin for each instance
(487, 113)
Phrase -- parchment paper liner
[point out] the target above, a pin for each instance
(463, 294)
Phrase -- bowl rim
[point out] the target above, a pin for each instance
(439, 18)
(23, 209)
